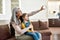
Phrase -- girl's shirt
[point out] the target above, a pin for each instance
(25, 25)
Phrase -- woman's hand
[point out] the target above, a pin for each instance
(41, 8)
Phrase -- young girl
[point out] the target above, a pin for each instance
(26, 23)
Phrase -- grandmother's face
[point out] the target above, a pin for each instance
(19, 12)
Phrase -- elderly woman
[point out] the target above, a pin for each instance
(16, 22)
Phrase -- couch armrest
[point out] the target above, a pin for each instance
(45, 32)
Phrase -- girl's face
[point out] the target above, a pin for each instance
(26, 17)
(19, 13)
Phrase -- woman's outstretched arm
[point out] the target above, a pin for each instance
(36, 11)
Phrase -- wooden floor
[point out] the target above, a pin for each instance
(55, 33)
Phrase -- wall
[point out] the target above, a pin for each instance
(26, 6)
(33, 5)
(53, 6)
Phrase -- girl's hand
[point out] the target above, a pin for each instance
(33, 31)
(30, 26)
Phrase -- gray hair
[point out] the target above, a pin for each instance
(14, 18)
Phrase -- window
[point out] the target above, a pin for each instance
(0, 6)
(5, 6)
(14, 3)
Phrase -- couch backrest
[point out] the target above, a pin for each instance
(39, 25)
(35, 25)
(4, 32)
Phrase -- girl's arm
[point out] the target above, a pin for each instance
(32, 27)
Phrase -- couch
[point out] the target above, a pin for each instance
(43, 28)
(5, 33)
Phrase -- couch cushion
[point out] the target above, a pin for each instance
(43, 25)
(4, 32)
(39, 25)
(45, 32)
(24, 37)
(36, 25)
